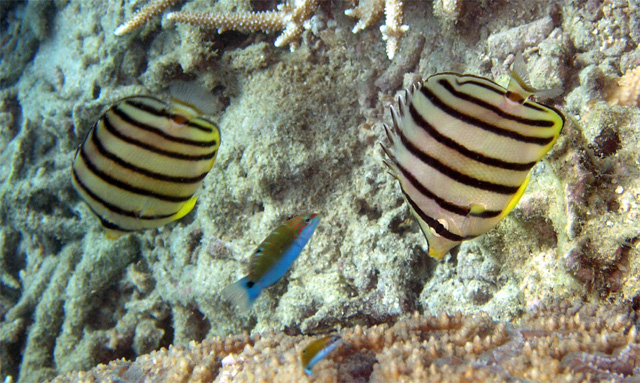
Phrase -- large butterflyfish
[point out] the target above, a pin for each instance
(462, 148)
(144, 159)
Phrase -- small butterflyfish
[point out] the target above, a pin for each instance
(144, 159)
(462, 148)
(271, 260)
(318, 350)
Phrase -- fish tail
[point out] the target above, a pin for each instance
(242, 293)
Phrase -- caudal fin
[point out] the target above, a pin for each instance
(242, 293)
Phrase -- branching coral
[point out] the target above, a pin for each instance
(564, 343)
(368, 12)
(143, 16)
(292, 18)
(288, 18)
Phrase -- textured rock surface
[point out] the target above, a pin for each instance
(299, 133)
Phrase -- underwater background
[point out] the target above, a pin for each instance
(552, 293)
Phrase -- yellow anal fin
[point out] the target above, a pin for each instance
(516, 197)
(186, 208)
(437, 254)
(113, 234)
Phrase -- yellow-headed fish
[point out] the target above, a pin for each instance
(271, 260)
(318, 350)
(463, 147)
(143, 160)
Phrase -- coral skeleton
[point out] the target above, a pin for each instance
(627, 90)
(143, 16)
(394, 29)
(292, 18)
(369, 11)
(567, 342)
(289, 18)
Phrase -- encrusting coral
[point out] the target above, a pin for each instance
(627, 90)
(565, 343)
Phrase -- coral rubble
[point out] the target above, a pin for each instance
(627, 90)
(564, 343)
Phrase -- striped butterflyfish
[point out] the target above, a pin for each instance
(462, 148)
(271, 260)
(142, 162)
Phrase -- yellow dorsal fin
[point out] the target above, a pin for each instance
(516, 197)
(191, 99)
(186, 208)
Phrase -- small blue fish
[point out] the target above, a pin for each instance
(318, 350)
(272, 259)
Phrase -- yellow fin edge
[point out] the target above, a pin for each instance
(186, 208)
(516, 197)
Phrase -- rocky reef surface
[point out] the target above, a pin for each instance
(299, 133)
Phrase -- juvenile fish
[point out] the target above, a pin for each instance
(463, 147)
(271, 260)
(143, 160)
(318, 350)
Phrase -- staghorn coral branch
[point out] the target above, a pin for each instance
(296, 18)
(369, 11)
(268, 21)
(289, 18)
(143, 16)
(393, 30)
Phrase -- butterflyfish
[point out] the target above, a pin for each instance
(271, 260)
(142, 162)
(462, 148)
(318, 350)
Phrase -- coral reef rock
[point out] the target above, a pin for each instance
(300, 132)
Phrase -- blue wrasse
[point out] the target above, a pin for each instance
(271, 260)
(317, 350)
(463, 148)
(144, 159)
